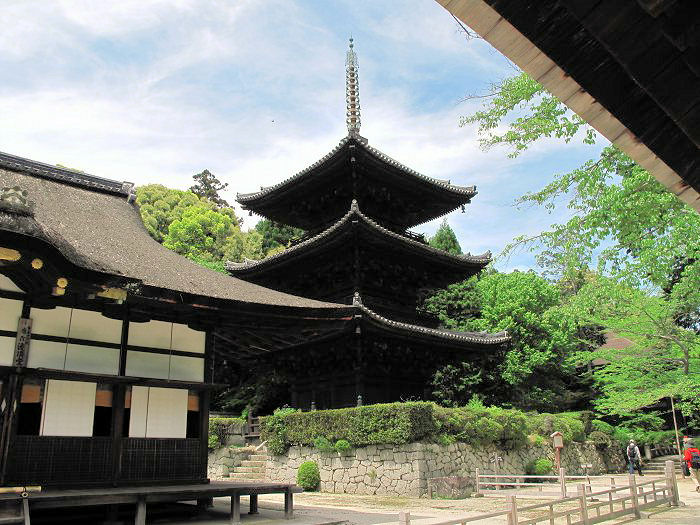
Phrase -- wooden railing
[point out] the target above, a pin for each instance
(491, 484)
(252, 429)
(586, 508)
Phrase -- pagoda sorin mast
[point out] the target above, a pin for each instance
(357, 205)
(352, 91)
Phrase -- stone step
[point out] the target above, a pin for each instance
(258, 457)
(249, 469)
(246, 475)
(252, 463)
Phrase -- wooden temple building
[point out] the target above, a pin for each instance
(357, 205)
(108, 339)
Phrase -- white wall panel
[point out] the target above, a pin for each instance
(69, 408)
(7, 350)
(139, 411)
(187, 340)
(143, 364)
(187, 368)
(94, 326)
(153, 334)
(46, 354)
(9, 286)
(94, 359)
(10, 312)
(167, 413)
(51, 322)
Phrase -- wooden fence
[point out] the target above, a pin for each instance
(543, 486)
(587, 507)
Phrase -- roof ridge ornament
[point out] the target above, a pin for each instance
(356, 299)
(352, 91)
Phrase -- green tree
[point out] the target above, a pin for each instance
(244, 245)
(160, 206)
(445, 239)
(662, 359)
(533, 373)
(276, 235)
(207, 186)
(622, 221)
(201, 233)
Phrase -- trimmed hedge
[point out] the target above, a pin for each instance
(393, 423)
(482, 426)
(399, 423)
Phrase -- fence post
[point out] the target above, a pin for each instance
(583, 504)
(478, 483)
(513, 515)
(672, 483)
(562, 481)
(635, 499)
(404, 518)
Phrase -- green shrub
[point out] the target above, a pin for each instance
(600, 439)
(481, 426)
(568, 423)
(601, 426)
(539, 467)
(399, 423)
(537, 440)
(446, 439)
(276, 445)
(308, 476)
(323, 445)
(342, 446)
(218, 428)
(392, 423)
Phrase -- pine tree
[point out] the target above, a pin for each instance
(445, 239)
(208, 186)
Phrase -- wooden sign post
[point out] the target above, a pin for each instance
(558, 443)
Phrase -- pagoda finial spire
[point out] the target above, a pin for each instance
(352, 91)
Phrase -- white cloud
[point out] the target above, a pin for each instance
(157, 91)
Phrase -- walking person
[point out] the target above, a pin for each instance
(634, 458)
(691, 456)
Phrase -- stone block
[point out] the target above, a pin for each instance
(452, 487)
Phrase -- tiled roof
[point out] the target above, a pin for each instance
(244, 198)
(467, 258)
(466, 337)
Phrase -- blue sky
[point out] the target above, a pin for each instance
(155, 91)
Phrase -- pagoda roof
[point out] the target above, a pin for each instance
(449, 336)
(335, 170)
(248, 344)
(95, 225)
(346, 221)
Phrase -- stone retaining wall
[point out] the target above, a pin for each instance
(223, 460)
(405, 469)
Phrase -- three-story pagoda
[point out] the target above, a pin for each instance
(357, 206)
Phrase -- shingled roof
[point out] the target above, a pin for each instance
(93, 222)
(354, 213)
